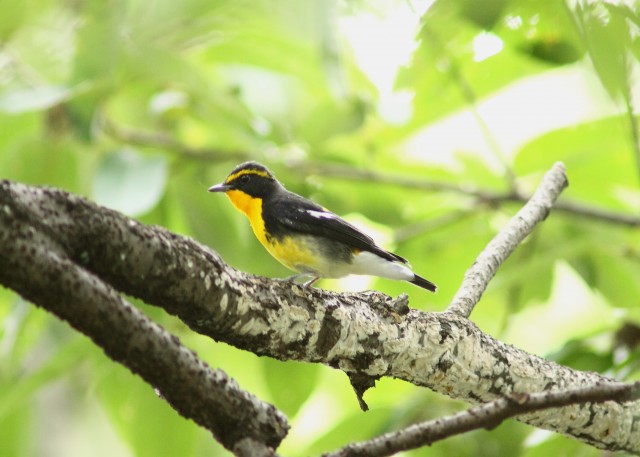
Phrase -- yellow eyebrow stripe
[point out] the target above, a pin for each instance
(235, 176)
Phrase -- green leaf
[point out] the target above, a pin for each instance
(580, 355)
(38, 98)
(17, 389)
(355, 427)
(130, 182)
(12, 18)
(450, 68)
(21, 127)
(607, 35)
(484, 14)
(329, 120)
(544, 31)
(598, 156)
(290, 383)
(615, 275)
(16, 427)
(572, 312)
(37, 54)
(146, 421)
(36, 158)
(544, 444)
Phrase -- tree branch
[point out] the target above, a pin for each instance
(366, 334)
(488, 415)
(490, 197)
(37, 267)
(162, 141)
(477, 277)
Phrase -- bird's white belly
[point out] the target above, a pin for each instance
(367, 263)
(362, 263)
(305, 256)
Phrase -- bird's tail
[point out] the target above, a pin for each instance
(424, 283)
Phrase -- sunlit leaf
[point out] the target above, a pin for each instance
(129, 182)
(598, 156)
(37, 159)
(456, 66)
(290, 384)
(607, 35)
(141, 416)
(542, 444)
(18, 388)
(580, 356)
(39, 98)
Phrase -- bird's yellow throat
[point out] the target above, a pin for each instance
(252, 208)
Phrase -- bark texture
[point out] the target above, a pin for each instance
(36, 265)
(367, 335)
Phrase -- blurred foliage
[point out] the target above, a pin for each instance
(142, 105)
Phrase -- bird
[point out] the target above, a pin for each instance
(306, 237)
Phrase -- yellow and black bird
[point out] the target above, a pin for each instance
(304, 236)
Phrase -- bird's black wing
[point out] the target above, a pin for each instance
(296, 213)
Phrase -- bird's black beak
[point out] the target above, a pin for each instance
(222, 187)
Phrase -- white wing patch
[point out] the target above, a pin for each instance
(319, 214)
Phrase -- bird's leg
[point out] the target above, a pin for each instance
(300, 275)
(311, 281)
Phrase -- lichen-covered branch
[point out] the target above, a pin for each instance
(36, 265)
(488, 415)
(477, 277)
(365, 334)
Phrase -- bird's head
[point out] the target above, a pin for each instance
(250, 178)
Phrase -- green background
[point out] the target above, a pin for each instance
(385, 112)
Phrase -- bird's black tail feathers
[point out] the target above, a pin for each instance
(424, 283)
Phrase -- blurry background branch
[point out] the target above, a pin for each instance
(161, 140)
(490, 198)
(487, 197)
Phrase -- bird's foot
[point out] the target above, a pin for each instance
(311, 281)
(294, 279)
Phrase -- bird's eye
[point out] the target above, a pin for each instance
(244, 179)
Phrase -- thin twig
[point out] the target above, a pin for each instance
(598, 214)
(488, 415)
(439, 223)
(492, 198)
(507, 240)
(163, 141)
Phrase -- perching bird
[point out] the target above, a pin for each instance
(306, 237)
